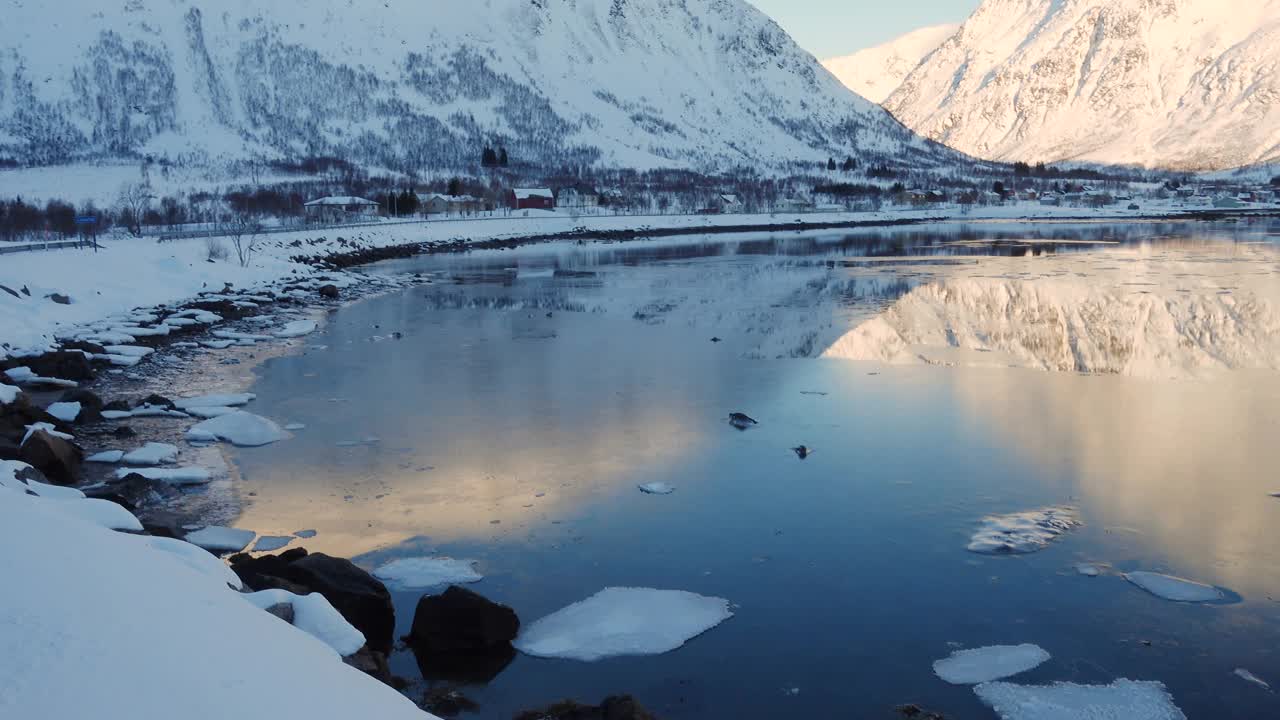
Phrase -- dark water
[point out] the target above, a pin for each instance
(533, 390)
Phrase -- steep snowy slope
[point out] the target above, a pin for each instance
(1182, 84)
(410, 84)
(874, 73)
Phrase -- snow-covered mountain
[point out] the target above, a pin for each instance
(1182, 84)
(408, 84)
(877, 71)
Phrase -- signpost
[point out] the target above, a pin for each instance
(86, 222)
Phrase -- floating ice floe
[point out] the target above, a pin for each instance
(425, 572)
(1174, 588)
(295, 329)
(173, 476)
(152, 454)
(305, 534)
(313, 615)
(215, 400)
(221, 539)
(64, 411)
(1022, 532)
(623, 621)
(108, 457)
(157, 411)
(271, 543)
(980, 665)
(8, 394)
(209, 412)
(657, 488)
(116, 414)
(1127, 699)
(137, 332)
(1088, 569)
(238, 428)
(293, 427)
(196, 558)
(1251, 678)
(119, 360)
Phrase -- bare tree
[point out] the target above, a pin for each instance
(243, 231)
(135, 201)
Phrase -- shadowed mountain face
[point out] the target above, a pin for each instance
(1181, 84)
(412, 85)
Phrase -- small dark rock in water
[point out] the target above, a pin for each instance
(622, 707)
(59, 298)
(329, 291)
(124, 431)
(136, 492)
(915, 711)
(741, 421)
(716, 340)
(58, 459)
(802, 451)
(156, 401)
(448, 701)
(118, 405)
(87, 398)
(374, 664)
(11, 291)
(461, 636)
(397, 335)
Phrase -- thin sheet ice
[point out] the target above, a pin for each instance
(1023, 532)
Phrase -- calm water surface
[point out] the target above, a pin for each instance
(533, 390)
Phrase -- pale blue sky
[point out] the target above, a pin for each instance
(828, 28)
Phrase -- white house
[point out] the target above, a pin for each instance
(340, 209)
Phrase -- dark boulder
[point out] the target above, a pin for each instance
(447, 701)
(283, 610)
(360, 597)
(124, 431)
(136, 492)
(460, 620)
(375, 665)
(58, 459)
(120, 405)
(620, 707)
(64, 364)
(84, 345)
(329, 292)
(59, 298)
(90, 404)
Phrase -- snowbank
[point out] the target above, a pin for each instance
(313, 615)
(152, 621)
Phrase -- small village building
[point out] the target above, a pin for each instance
(1050, 199)
(441, 204)
(340, 209)
(794, 204)
(727, 203)
(531, 199)
(577, 198)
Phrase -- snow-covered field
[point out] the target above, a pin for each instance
(129, 273)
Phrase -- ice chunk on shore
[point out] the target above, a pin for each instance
(425, 572)
(221, 539)
(1127, 699)
(314, 615)
(64, 411)
(33, 428)
(8, 394)
(173, 476)
(980, 665)
(116, 414)
(238, 428)
(152, 454)
(271, 543)
(128, 350)
(295, 329)
(657, 488)
(108, 457)
(217, 344)
(216, 400)
(1174, 588)
(623, 621)
(1022, 532)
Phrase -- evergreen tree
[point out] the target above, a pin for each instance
(455, 187)
(502, 157)
(998, 188)
(831, 163)
(849, 165)
(489, 158)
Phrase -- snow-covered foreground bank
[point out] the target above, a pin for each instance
(139, 272)
(103, 624)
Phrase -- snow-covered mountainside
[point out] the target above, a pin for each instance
(1181, 84)
(875, 72)
(410, 85)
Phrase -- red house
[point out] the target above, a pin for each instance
(531, 199)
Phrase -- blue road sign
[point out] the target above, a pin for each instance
(86, 220)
